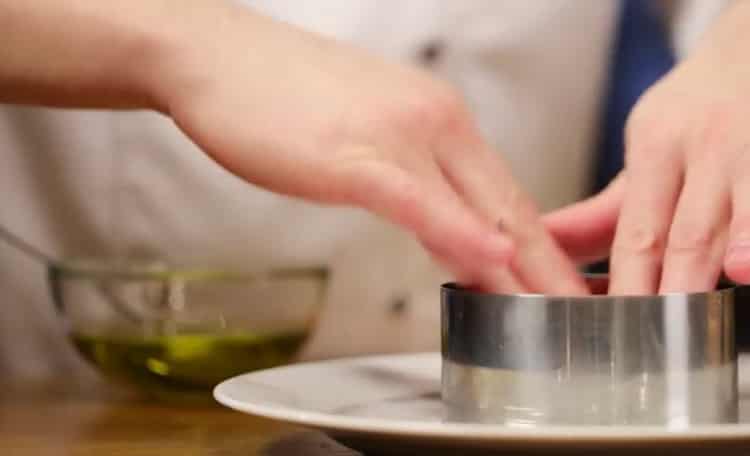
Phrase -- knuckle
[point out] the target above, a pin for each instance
(649, 140)
(518, 214)
(712, 131)
(687, 238)
(386, 190)
(434, 108)
(639, 240)
(650, 149)
(357, 176)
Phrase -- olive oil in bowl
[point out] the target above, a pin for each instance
(186, 366)
(175, 333)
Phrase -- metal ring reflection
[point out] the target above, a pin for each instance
(605, 360)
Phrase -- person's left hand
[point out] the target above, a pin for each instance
(679, 213)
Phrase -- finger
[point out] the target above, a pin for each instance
(653, 186)
(737, 261)
(501, 280)
(585, 230)
(483, 180)
(697, 238)
(423, 203)
(492, 277)
(491, 280)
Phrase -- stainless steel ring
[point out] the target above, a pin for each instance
(533, 359)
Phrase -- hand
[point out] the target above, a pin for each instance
(294, 113)
(680, 211)
(308, 117)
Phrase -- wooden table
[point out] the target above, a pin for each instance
(51, 419)
(55, 420)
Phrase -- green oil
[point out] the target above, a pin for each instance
(186, 366)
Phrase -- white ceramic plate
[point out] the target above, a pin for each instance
(395, 400)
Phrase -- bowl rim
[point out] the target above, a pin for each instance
(83, 268)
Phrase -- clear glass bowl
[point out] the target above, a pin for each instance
(176, 333)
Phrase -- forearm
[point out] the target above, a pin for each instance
(103, 53)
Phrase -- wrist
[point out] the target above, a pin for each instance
(183, 58)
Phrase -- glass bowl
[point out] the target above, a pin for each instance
(176, 333)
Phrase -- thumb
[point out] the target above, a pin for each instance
(585, 230)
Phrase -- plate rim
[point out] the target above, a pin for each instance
(353, 425)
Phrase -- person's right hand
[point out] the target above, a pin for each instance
(294, 113)
(309, 117)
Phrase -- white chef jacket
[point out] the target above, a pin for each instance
(90, 183)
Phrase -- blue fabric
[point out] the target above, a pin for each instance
(642, 54)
